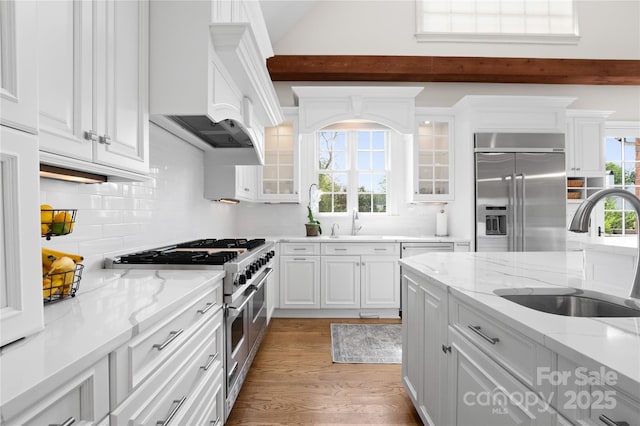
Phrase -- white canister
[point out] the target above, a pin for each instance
(441, 223)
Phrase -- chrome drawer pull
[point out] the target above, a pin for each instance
(173, 412)
(300, 249)
(607, 421)
(68, 422)
(476, 329)
(209, 306)
(212, 358)
(340, 249)
(172, 337)
(380, 249)
(214, 422)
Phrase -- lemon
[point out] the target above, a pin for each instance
(62, 223)
(46, 213)
(44, 229)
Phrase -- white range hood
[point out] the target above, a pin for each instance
(209, 83)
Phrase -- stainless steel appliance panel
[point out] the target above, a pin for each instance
(494, 205)
(520, 201)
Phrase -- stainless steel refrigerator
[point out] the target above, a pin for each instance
(520, 192)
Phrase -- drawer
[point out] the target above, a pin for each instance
(361, 248)
(514, 351)
(289, 249)
(171, 386)
(207, 402)
(83, 399)
(601, 403)
(147, 350)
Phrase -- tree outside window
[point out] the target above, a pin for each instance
(623, 165)
(352, 171)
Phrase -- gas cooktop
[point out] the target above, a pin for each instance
(198, 252)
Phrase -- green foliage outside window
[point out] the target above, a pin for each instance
(613, 215)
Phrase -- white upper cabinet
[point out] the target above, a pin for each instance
(585, 143)
(18, 73)
(21, 312)
(432, 157)
(279, 177)
(93, 68)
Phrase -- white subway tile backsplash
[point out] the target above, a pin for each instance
(120, 217)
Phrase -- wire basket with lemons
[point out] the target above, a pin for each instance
(55, 222)
(61, 274)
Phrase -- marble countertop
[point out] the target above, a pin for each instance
(369, 239)
(111, 306)
(472, 277)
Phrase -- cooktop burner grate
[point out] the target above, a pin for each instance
(179, 257)
(224, 243)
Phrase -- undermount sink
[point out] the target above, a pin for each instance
(572, 302)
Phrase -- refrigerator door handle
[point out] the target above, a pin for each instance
(511, 206)
(521, 213)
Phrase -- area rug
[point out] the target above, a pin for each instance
(366, 343)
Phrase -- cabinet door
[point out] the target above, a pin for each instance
(21, 311)
(412, 337)
(279, 175)
(433, 399)
(340, 282)
(18, 56)
(380, 282)
(484, 393)
(246, 182)
(589, 146)
(433, 159)
(65, 34)
(299, 282)
(122, 84)
(83, 399)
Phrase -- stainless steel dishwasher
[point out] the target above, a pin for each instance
(413, 249)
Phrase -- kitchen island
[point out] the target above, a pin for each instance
(450, 295)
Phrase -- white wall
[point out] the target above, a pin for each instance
(608, 30)
(122, 217)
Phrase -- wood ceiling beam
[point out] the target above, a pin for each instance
(448, 69)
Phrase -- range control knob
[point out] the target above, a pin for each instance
(248, 273)
(242, 279)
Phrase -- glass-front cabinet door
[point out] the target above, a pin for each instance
(279, 175)
(433, 158)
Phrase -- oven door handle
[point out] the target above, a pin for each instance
(254, 288)
(267, 272)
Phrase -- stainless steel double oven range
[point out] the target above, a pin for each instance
(247, 264)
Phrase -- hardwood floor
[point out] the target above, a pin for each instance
(294, 381)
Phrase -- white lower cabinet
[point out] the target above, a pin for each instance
(180, 383)
(348, 276)
(483, 393)
(299, 282)
(462, 366)
(424, 333)
(84, 399)
(592, 396)
(340, 282)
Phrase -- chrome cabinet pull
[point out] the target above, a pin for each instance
(209, 306)
(91, 135)
(105, 140)
(607, 421)
(340, 249)
(299, 258)
(379, 249)
(214, 422)
(173, 412)
(212, 358)
(478, 330)
(172, 336)
(71, 420)
(300, 249)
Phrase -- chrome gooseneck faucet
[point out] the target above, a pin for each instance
(354, 217)
(580, 223)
